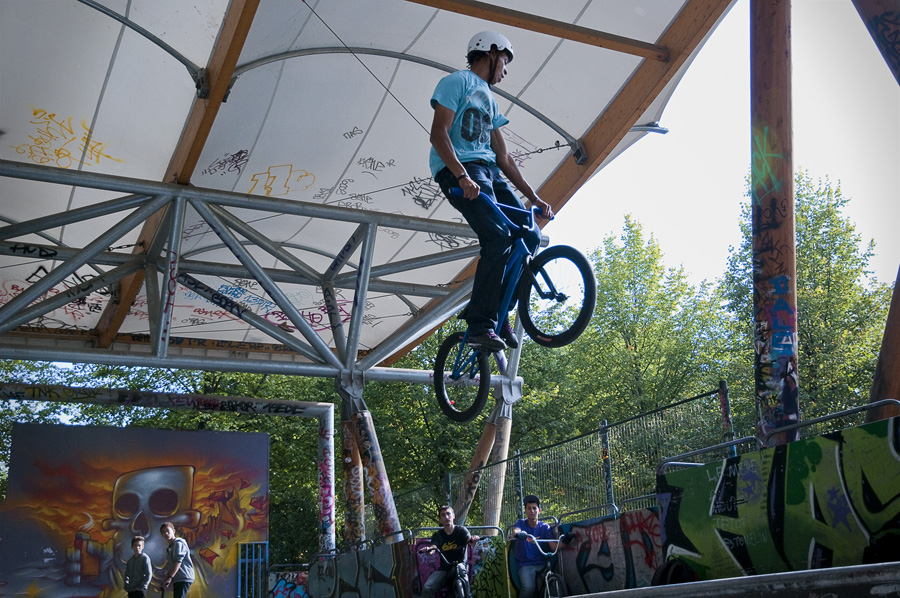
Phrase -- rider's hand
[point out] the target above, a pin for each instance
(546, 210)
(469, 187)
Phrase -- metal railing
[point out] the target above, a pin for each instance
(253, 575)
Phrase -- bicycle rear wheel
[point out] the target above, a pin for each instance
(462, 379)
(557, 296)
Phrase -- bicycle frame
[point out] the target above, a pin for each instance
(519, 255)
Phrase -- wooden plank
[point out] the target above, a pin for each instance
(222, 63)
(560, 29)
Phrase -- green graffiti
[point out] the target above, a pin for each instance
(828, 501)
(764, 181)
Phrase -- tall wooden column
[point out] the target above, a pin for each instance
(773, 238)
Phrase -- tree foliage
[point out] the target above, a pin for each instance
(841, 308)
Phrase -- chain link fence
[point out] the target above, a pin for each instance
(611, 468)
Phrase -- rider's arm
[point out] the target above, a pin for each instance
(440, 140)
(509, 168)
(548, 534)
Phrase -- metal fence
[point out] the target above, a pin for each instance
(253, 581)
(611, 468)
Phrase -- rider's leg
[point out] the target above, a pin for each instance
(496, 244)
(504, 194)
(434, 583)
(527, 580)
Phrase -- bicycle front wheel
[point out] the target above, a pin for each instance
(462, 379)
(557, 296)
(553, 586)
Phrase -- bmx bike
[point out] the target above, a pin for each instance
(458, 581)
(556, 292)
(549, 583)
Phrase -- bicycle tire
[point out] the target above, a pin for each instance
(555, 320)
(553, 587)
(461, 400)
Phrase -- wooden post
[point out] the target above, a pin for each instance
(772, 201)
(886, 381)
(354, 487)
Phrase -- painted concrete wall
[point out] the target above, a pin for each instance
(77, 495)
(822, 502)
(605, 554)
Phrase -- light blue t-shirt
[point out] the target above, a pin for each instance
(477, 114)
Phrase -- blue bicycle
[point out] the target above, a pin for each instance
(556, 293)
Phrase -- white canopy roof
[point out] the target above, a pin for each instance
(116, 143)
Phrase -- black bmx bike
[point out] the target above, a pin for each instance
(458, 580)
(556, 292)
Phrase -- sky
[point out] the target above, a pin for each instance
(686, 187)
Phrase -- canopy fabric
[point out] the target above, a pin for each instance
(322, 238)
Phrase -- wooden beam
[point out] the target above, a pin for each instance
(222, 63)
(882, 19)
(560, 29)
(696, 19)
(886, 381)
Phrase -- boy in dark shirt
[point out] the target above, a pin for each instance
(451, 540)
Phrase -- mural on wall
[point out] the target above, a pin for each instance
(610, 553)
(827, 501)
(289, 584)
(487, 567)
(77, 495)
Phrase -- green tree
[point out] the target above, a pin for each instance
(652, 340)
(841, 307)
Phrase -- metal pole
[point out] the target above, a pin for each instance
(354, 487)
(727, 423)
(358, 311)
(68, 267)
(772, 211)
(607, 463)
(167, 298)
(350, 386)
(326, 481)
(520, 490)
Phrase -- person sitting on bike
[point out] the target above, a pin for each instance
(451, 540)
(529, 559)
(468, 151)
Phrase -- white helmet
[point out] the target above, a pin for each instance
(483, 41)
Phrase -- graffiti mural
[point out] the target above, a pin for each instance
(77, 495)
(289, 584)
(827, 501)
(610, 553)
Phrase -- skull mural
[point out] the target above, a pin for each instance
(145, 499)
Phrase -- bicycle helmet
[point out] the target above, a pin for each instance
(482, 42)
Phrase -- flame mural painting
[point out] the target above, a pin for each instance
(77, 495)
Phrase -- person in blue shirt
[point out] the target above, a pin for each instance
(529, 559)
(468, 151)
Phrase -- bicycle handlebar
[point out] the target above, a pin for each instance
(563, 539)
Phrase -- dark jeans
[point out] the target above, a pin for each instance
(493, 235)
(136, 594)
(180, 589)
